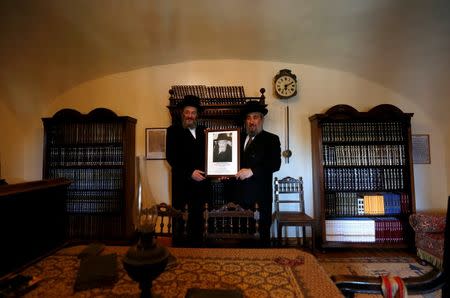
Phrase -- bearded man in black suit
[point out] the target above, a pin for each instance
(186, 155)
(260, 157)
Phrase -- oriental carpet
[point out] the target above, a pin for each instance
(256, 272)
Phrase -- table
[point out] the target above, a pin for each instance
(257, 272)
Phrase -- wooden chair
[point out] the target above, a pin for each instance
(290, 191)
(432, 281)
(231, 225)
(167, 218)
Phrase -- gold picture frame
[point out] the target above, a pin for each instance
(155, 143)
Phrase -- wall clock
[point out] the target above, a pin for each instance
(285, 84)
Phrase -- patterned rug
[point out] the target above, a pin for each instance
(377, 266)
(256, 272)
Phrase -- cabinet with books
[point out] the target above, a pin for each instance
(96, 152)
(363, 176)
(222, 107)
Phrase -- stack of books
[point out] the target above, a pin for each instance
(350, 230)
(353, 204)
(379, 229)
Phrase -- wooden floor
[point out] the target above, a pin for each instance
(355, 252)
(365, 252)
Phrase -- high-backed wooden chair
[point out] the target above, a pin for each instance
(231, 225)
(432, 281)
(167, 218)
(289, 191)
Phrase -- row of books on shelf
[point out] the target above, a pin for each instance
(362, 131)
(102, 194)
(86, 156)
(364, 155)
(352, 204)
(379, 230)
(85, 133)
(94, 226)
(230, 111)
(209, 94)
(93, 205)
(90, 179)
(219, 124)
(368, 179)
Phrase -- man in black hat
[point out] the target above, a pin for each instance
(222, 148)
(260, 158)
(186, 156)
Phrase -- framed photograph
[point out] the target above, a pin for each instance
(421, 149)
(222, 152)
(155, 143)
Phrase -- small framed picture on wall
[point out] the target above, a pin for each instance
(421, 149)
(155, 143)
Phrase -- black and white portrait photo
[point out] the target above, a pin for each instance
(222, 148)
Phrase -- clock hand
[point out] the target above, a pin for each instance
(286, 85)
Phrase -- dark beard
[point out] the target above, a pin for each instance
(193, 125)
(252, 133)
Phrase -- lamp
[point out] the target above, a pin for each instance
(146, 260)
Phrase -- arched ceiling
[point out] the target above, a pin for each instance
(49, 46)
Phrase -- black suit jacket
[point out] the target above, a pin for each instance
(185, 154)
(263, 157)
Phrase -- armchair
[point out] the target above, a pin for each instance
(429, 237)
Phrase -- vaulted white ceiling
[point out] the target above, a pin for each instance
(49, 46)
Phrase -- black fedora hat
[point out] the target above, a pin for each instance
(191, 101)
(223, 136)
(252, 107)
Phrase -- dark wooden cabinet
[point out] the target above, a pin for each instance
(31, 221)
(222, 108)
(96, 151)
(363, 180)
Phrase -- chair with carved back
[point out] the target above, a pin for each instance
(430, 282)
(168, 219)
(289, 191)
(231, 225)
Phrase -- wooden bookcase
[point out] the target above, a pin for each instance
(222, 107)
(96, 151)
(363, 180)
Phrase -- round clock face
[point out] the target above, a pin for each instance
(285, 86)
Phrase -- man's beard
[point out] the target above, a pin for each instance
(254, 132)
(191, 125)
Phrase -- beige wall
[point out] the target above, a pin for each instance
(12, 145)
(143, 94)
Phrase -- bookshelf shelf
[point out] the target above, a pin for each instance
(96, 151)
(363, 177)
(87, 166)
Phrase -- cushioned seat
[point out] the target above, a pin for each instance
(429, 229)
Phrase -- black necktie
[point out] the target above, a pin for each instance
(250, 139)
